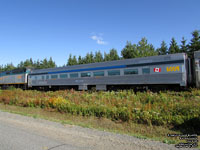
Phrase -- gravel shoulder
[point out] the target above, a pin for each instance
(27, 133)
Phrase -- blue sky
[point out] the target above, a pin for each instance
(39, 29)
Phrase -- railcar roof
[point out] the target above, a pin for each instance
(151, 59)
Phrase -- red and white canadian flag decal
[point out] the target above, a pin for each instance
(157, 69)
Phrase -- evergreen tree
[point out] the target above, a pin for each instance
(27, 63)
(142, 49)
(51, 63)
(44, 64)
(1, 68)
(31, 62)
(106, 57)
(163, 49)
(70, 61)
(9, 67)
(130, 51)
(74, 60)
(38, 64)
(89, 58)
(183, 46)
(34, 64)
(145, 49)
(20, 65)
(173, 48)
(98, 57)
(195, 42)
(80, 61)
(113, 54)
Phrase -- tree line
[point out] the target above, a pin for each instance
(29, 63)
(141, 49)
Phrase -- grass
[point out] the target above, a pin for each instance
(158, 133)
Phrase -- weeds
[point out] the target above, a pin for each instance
(163, 108)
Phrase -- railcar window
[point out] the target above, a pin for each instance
(35, 77)
(145, 70)
(130, 71)
(63, 76)
(47, 77)
(98, 74)
(42, 77)
(114, 72)
(55, 76)
(86, 74)
(73, 75)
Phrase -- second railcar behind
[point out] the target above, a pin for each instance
(16, 78)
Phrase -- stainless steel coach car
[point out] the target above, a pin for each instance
(165, 70)
(17, 78)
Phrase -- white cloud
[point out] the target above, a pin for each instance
(98, 39)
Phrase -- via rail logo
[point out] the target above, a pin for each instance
(174, 68)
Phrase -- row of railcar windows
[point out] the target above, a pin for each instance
(97, 74)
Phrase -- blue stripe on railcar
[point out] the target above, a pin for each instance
(89, 69)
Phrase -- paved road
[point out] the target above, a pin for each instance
(26, 133)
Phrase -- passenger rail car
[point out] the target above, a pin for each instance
(147, 71)
(154, 71)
